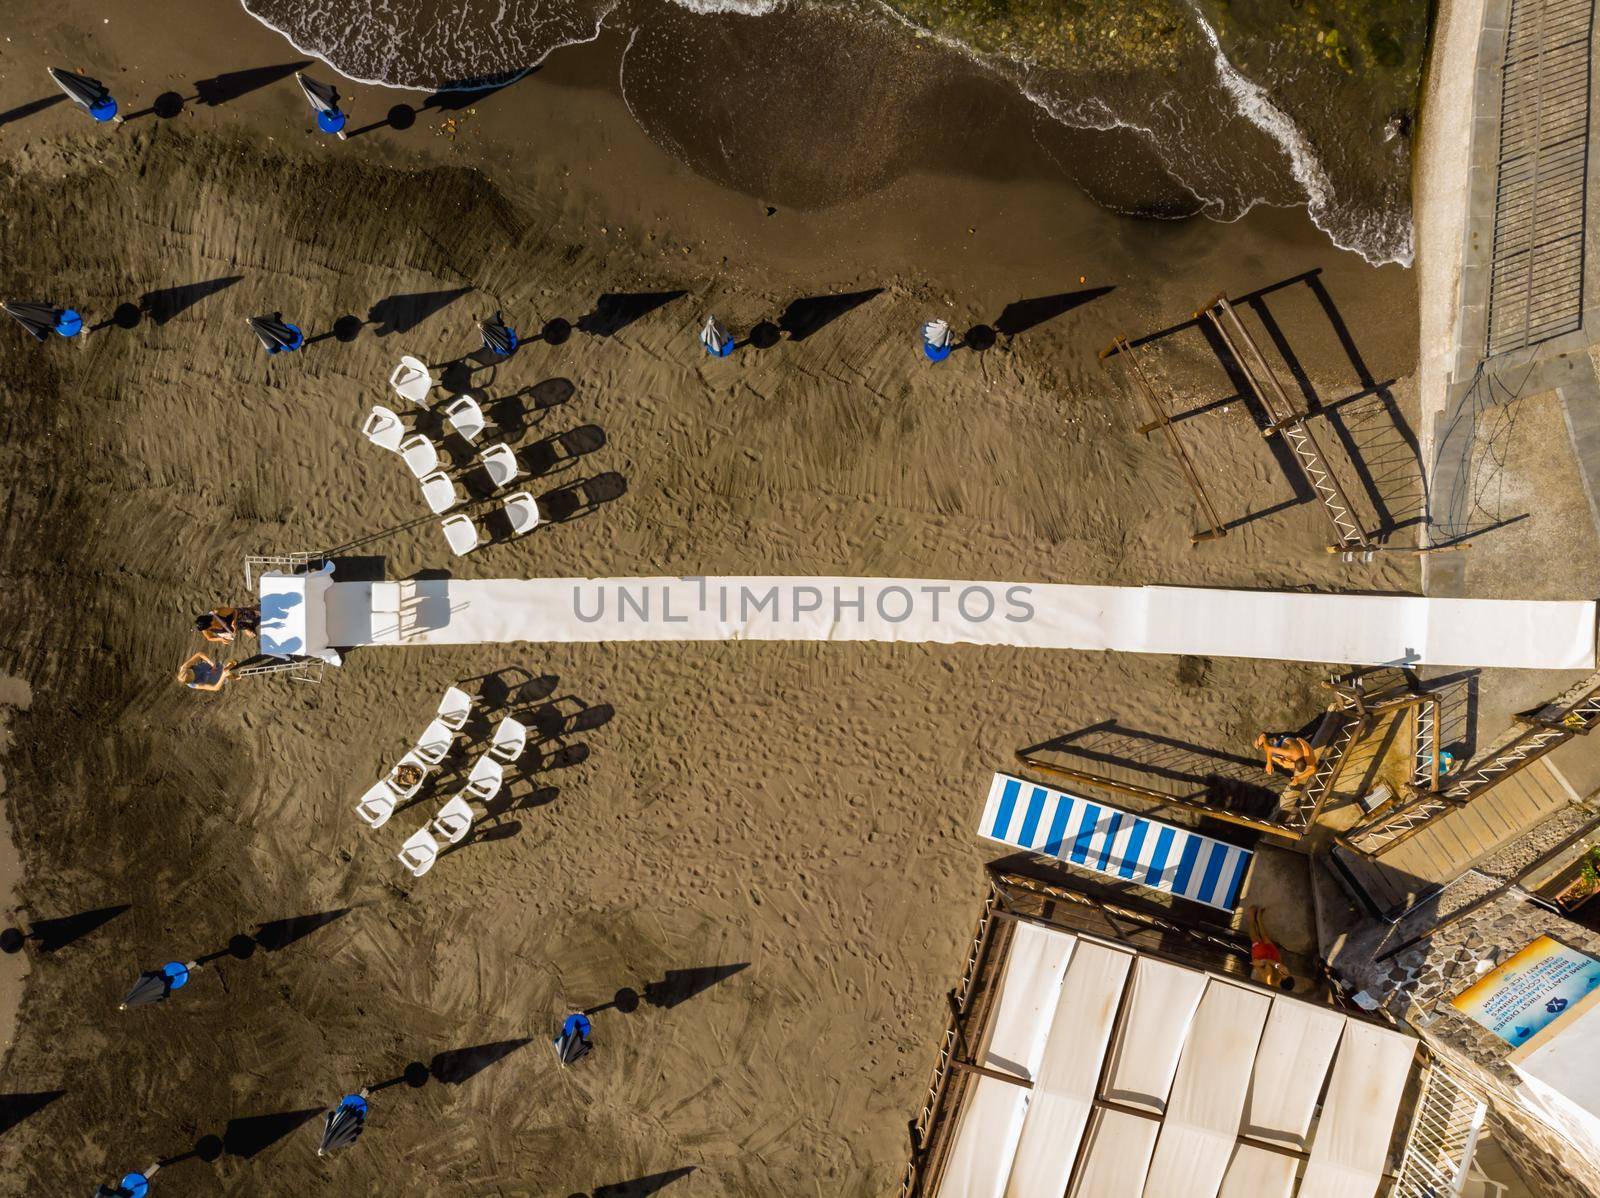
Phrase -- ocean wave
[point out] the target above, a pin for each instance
(1225, 139)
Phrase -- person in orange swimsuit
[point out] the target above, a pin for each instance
(1292, 754)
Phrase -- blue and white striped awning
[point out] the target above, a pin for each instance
(1119, 844)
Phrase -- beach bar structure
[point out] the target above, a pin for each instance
(1101, 1051)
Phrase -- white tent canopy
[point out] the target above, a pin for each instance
(1344, 629)
(1210, 1090)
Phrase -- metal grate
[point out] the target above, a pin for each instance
(1443, 1138)
(1536, 273)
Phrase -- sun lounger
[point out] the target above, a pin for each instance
(465, 416)
(377, 805)
(1351, 1143)
(439, 492)
(460, 533)
(412, 380)
(522, 510)
(454, 820)
(510, 738)
(500, 463)
(454, 708)
(1118, 844)
(383, 429)
(419, 853)
(485, 779)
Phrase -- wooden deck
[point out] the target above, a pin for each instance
(1458, 840)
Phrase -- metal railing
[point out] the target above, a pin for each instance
(1442, 1139)
(1574, 714)
(1287, 420)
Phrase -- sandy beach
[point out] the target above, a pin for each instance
(770, 846)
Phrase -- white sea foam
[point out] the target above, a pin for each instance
(1251, 99)
(366, 50)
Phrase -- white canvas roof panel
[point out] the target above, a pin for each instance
(991, 1120)
(1259, 1173)
(1351, 1143)
(1150, 1038)
(1291, 1065)
(1208, 1093)
(1064, 1094)
(1117, 1156)
(1153, 1079)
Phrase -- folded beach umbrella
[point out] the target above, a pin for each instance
(498, 338)
(343, 1125)
(717, 340)
(90, 94)
(324, 101)
(156, 985)
(38, 319)
(276, 334)
(573, 1043)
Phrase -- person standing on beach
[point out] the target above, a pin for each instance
(221, 625)
(200, 673)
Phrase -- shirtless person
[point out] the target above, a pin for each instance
(1292, 754)
(1266, 962)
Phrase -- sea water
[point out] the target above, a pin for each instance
(1241, 102)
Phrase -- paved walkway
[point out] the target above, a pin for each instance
(1525, 288)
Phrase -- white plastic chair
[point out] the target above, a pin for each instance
(500, 462)
(455, 707)
(510, 738)
(439, 492)
(453, 820)
(461, 533)
(465, 416)
(412, 380)
(419, 853)
(485, 779)
(433, 746)
(383, 429)
(411, 758)
(522, 510)
(420, 455)
(377, 805)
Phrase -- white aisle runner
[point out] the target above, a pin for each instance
(1279, 626)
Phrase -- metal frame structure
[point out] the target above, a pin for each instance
(1011, 899)
(1160, 420)
(1286, 419)
(297, 669)
(1576, 712)
(1437, 1159)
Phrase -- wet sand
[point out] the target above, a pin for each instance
(802, 812)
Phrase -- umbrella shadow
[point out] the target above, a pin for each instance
(639, 1187)
(247, 1137)
(402, 313)
(677, 987)
(229, 86)
(454, 1066)
(51, 935)
(14, 1108)
(616, 310)
(275, 935)
(1021, 315)
(453, 97)
(165, 303)
(808, 315)
(23, 111)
